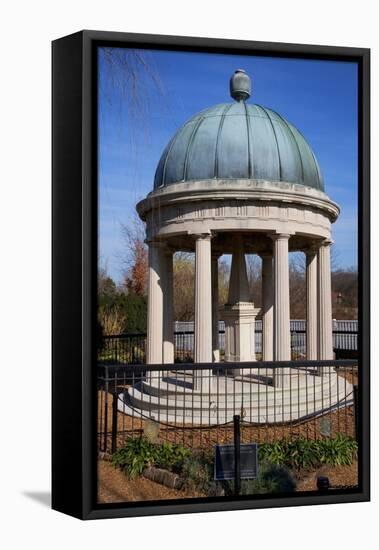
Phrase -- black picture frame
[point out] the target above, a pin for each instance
(74, 270)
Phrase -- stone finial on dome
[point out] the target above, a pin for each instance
(240, 85)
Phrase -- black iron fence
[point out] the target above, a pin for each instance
(131, 348)
(123, 348)
(195, 404)
(344, 342)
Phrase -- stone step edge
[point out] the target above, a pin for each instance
(321, 401)
(175, 401)
(201, 420)
(166, 388)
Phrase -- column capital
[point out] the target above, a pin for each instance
(155, 242)
(326, 242)
(311, 250)
(162, 245)
(201, 235)
(280, 236)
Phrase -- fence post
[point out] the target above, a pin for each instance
(106, 388)
(237, 454)
(114, 422)
(356, 416)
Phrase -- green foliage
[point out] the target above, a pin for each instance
(274, 453)
(275, 459)
(99, 336)
(135, 310)
(302, 453)
(130, 307)
(197, 472)
(197, 475)
(171, 456)
(139, 453)
(339, 451)
(272, 478)
(107, 290)
(136, 455)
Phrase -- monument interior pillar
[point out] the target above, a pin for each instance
(239, 313)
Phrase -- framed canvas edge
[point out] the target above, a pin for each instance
(86, 507)
(67, 318)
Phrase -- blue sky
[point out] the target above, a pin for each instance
(318, 97)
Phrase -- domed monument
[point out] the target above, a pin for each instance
(238, 178)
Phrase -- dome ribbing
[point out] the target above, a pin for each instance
(238, 141)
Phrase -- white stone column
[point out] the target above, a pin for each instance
(267, 308)
(155, 305)
(168, 308)
(311, 276)
(203, 312)
(215, 309)
(325, 333)
(282, 337)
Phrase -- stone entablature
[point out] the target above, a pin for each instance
(247, 205)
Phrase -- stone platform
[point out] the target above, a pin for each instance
(172, 399)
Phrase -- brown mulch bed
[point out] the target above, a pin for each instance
(114, 486)
(339, 477)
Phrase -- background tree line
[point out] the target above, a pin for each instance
(123, 307)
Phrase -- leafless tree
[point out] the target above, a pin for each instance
(112, 320)
(254, 273)
(184, 273)
(223, 282)
(133, 75)
(133, 257)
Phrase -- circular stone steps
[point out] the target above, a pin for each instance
(172, 399)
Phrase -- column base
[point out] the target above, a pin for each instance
(239, 321)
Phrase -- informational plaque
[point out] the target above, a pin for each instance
(224, 462)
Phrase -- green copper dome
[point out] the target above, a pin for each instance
(238, 141)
